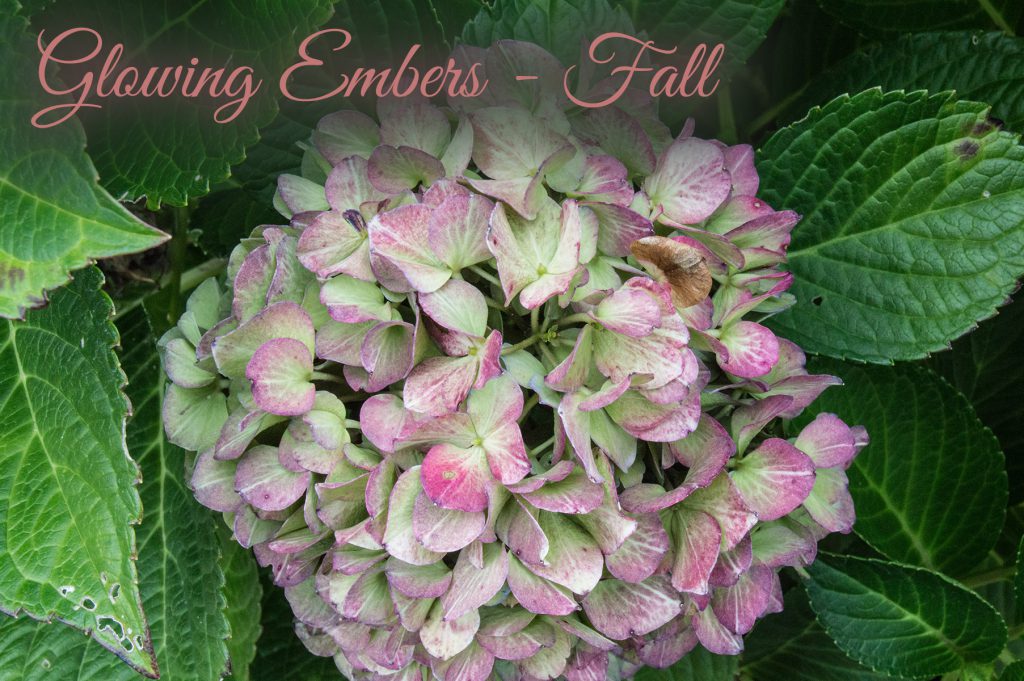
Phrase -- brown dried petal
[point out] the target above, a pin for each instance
(682, 267)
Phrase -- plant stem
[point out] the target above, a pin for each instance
(726, 116)
(542, 446)
(773, 113)
(573, 319)
(484, 274)
(528, 407)
(535, 319)
(525, 343)
(997, 18)
(324, 376)
(176, 253)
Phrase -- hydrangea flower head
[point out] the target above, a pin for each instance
(498, 399)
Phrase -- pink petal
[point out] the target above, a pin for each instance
(573, 494)
(574, 559)
(829, 502)
(457, 478)
(418, 581)
(621, 610)
(714, 636)
(387, 353)
(629, 312)
(739, 161)
(473, 586)
(472, 664)
(753, 349)
(690, 181)
(510, 143)
(722, 501)
(444, 530)
(399, 538)
(774, 479)
(281, 371)
(402, 237)
(458, 230)
(618, 227)
(739, 606)
(385, 421)
(394, 169)
(696, 540)
(536, 594)
(213, 483)
(642, 551)
(331, 244)
(262, 481)
(828, 441)
(439, 384)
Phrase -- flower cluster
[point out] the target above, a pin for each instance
(497, 400)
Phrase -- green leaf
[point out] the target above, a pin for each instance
(36, 651)
(279, 652)
(886, 183)
(226, 217)
(792, 645)
(873, 16)
(741, 25)
(930, 489)
(1014, 672)
(697, 665)
(558, 27)
(171, 149)
(181, 580)
(985, 366)
(1018, 580)
(243, 592)
(67, 485)
(987, 67)
(54, 217)
(902, 620)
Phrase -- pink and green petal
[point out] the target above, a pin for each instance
(642, 551)
(394, 169)
(829, 502)
(457, 306)
(438, 385)
(387, 353)
(753, 349)
(213, 483)
(418, 581)
(458, 230)
(472, 664)
(298, 195)
(473, 586)
(264, 483)
(402, 237)
(629, 312)
(621, 610)
(536, 594)
(696, 540)
(281, 372)
(574, 494)
(690, 181)
(774, 479)
(332, 244)
(713, 635)
(193, 417)
(722, 501)
(457, 478)
(341, 135)
(233, 350)
(574, 560)
(828, 441)
(399, 537)
(443, 529)
(444, 639)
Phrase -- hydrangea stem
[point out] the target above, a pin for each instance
(484, 274)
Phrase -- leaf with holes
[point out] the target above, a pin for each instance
(181, 581)
(36, 651)
(913, 224)
(984, 68)
(930, 489)
(54, 218)
(169, 150)
(875, 17)
(902, 620)
(792, 645)
(67, 485)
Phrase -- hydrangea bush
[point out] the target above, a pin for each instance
(497, 400)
